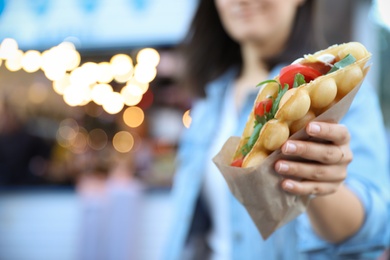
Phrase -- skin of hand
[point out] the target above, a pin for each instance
(323, 176)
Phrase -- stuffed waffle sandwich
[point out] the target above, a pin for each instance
(302, 91)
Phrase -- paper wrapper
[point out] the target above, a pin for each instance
(258, 189)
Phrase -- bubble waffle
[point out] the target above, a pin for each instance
(287, 103)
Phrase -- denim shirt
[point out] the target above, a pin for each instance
(368, 177)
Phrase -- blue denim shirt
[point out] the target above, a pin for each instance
(368, 177)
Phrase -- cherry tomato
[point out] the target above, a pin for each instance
(237, 162)
(263, 107)
(288, 73)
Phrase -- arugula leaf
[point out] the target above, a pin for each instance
(266, 81)
(252, 139)
(299, 79)
(276, 102)
(260, 120)
(348, 60)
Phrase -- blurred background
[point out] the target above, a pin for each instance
(90, 115)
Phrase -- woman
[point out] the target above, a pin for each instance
(232, 46)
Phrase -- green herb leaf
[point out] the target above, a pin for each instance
(299, 79)
(245, 149)
(348, 60)
(252, 140)
(260, 120)
(276, 102)
(266, 81)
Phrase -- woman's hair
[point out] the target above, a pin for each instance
(209, 51)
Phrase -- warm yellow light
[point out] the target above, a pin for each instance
(113, 103)
(90, 72)
(143, 86)
(133, 116)
(104, 72)
(14, 61)
(97, 139)
(100, 92)
(77, 76)
(66, 132)
(148, 56)
(134, 89)
(72, 59)
(53, 60)
(123, 141)
(129, 98)
(31, 61)
(123, 78)
(144, 73)
(60, 85)
(71, 123)
(187, 119)
(54, 73)
(67, 45)
(79, 143)
(86, 94)
(77, 95)
(8, 48)
(37, 93)
(121, 64)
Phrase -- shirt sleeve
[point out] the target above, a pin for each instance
(368, 177)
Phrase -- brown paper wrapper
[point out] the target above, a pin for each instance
(258, 189)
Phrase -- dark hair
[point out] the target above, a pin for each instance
(208, 50)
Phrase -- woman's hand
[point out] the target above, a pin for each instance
(327, 168)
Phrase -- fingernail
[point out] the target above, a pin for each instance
(291, 148)
(314, 128)
(288, 185)
(283, 167)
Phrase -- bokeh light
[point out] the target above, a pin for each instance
(144, 73)
(79, 144)
(99, 92)
(123, 142)
(61, 84)
(31, 61)
(53, 63)
(105, 74)
(97, 139)
(66, 132)
(187, 119)
(121, 64)
(148, 56)
(134, 89)
(133, 116)
(8, 48)
(113, 103)
(129, 98)
(14, 61)
(90, 71)
(123, 78)
(76, 95)
(37, 93)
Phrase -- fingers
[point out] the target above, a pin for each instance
(310, 187)
(322, 153)
(327, 163)
(310, 171)
(335, 133)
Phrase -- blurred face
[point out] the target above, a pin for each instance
(257, 21)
